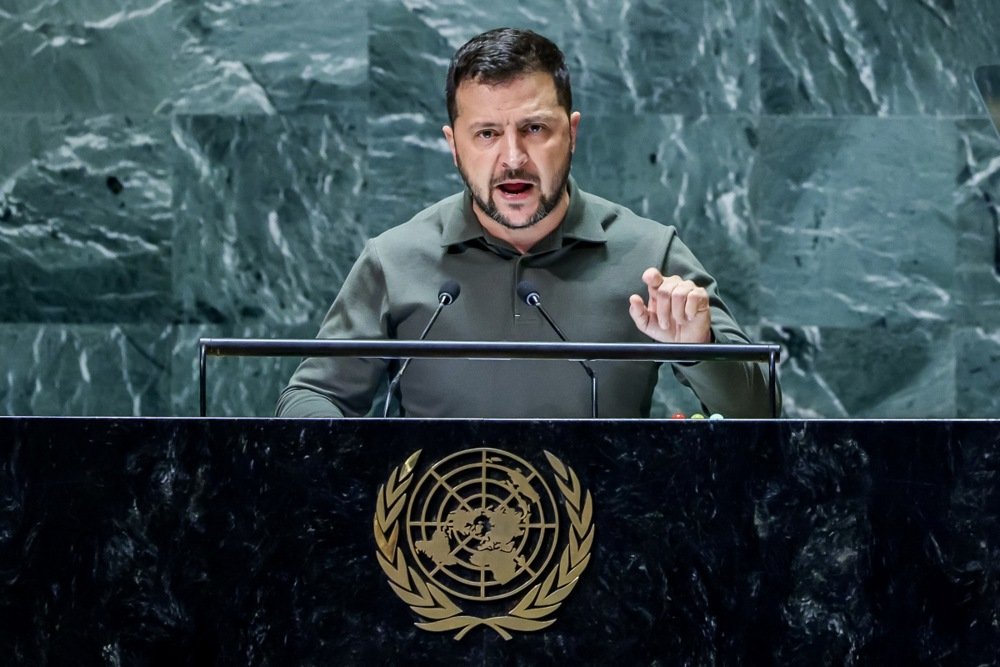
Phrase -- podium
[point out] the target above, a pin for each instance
(232, 541)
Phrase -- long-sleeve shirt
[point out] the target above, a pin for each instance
(585, 271)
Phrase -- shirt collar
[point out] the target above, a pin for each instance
(463, 226)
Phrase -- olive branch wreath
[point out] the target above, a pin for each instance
(432, 603)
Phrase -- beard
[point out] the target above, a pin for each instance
(547, 201)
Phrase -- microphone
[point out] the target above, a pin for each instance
(446, 296)
(529, 294)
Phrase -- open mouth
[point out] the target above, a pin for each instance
(515, 187)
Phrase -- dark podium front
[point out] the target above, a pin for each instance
(218, 541)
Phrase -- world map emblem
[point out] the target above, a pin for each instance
(480, 539)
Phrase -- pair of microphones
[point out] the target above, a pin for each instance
(527, 292)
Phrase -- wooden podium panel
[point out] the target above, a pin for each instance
(222, 541)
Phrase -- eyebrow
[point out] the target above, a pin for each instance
(540, 117)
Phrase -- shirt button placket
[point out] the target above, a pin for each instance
(518, 270)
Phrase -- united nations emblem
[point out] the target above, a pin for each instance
(480, 528)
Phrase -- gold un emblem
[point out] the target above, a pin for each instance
(474, 541)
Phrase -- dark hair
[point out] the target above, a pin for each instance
(501, 55)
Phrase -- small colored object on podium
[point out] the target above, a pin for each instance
(678, 415)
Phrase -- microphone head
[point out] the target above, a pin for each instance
(526, 292)
(449, 292)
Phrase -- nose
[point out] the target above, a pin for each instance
(514, 156)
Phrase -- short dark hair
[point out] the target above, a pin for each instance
(501, 55)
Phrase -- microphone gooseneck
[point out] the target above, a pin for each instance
(526, 290)
(447, 295)
(529, 294)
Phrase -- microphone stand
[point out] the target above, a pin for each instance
(533, 299)
(449, 292)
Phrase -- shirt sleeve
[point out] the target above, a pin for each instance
(344, 386)
(733, 389)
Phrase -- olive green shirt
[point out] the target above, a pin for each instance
(584, 271)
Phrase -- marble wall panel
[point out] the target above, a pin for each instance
(244, 386)
(857, 220)
(86, 369)
(886, 371)
(85, 219)
(874, 56)
(693, 174)
(977, 372)
(284, 134)
(99, 56)
(409, 59)
(268, 215)
(409, 167)
(269, 57)
(692, 58)
(977, 269)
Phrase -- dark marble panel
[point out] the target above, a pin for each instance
(85, 214)
(855, 222)
(690, 174)
(85, 369)
(236, 386)
(977, 270)
(99, 56)
(889, 371)
(690, 58)
(883, 58)
(409, 168)
(277, 57)
(251, 542)
(268, 215)
(409, 60)
(977, 372)
(852, 233)
(410, 165)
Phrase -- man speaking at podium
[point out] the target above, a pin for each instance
(522, 221)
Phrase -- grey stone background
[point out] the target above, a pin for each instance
(171, 169)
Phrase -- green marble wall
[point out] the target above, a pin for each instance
(177, 169)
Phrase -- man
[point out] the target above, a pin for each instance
(512, 134)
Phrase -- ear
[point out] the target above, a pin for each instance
(449, 136)
(574, 123)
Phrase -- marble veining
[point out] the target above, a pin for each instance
(176, 167)
(218, 541)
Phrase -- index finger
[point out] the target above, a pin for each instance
(652, 277)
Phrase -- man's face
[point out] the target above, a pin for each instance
(512, 144)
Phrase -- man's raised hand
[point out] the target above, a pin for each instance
(677, 310)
